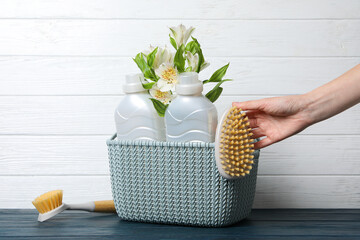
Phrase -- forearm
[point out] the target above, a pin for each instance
(333, 97)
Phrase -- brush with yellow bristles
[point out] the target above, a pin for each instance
(50, 204)
(234, 146)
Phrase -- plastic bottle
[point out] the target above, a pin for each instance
(135, 116)
(190, 117)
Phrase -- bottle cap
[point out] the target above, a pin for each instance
(189, 84)
(133, 83)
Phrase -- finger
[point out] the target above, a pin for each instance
(253, 122)
(252, 113)
(249, 105)
(258, 133)
(263, 143)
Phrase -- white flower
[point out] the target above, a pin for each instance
(204, 65)
(168, 77)
(181, 34)
(164, 97)
(193, 62)
(163, 55)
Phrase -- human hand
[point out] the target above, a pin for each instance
(281, 117)
(276, 118)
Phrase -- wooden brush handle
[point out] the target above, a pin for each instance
(105, 206)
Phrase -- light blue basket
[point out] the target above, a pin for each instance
(176, 183)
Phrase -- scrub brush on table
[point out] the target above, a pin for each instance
(50, 204)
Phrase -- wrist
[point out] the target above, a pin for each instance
(317, 104)
(308, 109)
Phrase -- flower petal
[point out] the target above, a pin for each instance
(161, 83)
(204, 65)
(166, 88)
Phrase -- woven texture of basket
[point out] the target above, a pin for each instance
(176, 183)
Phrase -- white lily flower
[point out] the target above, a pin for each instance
(181, 34)
(163, 55)
(193, 62)
(164, 97)
(168, 77)
(204, 65)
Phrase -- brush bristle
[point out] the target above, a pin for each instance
(48, 201)
(236, 145)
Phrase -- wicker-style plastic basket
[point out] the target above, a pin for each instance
(176, 183)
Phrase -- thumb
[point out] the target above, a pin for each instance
(250, 105)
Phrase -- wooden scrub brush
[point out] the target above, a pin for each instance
(234, 146)
(50, 204)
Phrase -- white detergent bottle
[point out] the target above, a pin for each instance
(135, 116)
(190, 117)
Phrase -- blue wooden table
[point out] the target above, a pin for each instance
(262, 224)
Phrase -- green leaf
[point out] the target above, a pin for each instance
(173, 42)
(179, 59)
(218, 74)
(148, 72)
(140, 61)
(224, 80)
(151, 57)
(194, 47)
(201, 60)
(148, 85)
(159, 107)
(215, 93)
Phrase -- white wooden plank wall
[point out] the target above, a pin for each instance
(61, 69)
